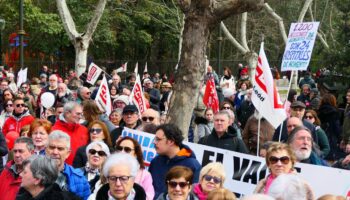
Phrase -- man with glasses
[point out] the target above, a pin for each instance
(68, 122)
(150, 116)
(69, 179)
(120, 169)
(84, 94)
(20, 117)
(9, 178)
(171, 152)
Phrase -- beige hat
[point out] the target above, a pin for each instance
(166, 85)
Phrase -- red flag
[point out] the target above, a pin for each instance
(210, 98)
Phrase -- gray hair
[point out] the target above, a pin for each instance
(28, 141)
(288, 186)
(59, 135)
(69, 106)
(43, 168)
(230, 113)
(292, 134)
(121, 158)
(99, 143)
(117, 110)
(223, 112)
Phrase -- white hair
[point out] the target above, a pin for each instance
(103, 146)
(288, 187)
(118, 159)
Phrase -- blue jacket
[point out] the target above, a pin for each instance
(161, 164)
(77, 183)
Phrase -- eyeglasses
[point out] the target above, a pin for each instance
(9, 105)
(216, 180)
(100, 153)
(284, 159)
(145, 119)
(96, 130)
(125, 149)
(157, 139)
(122, 179)
(88, 93)
(308, 117)
(20, 105)
(174, 184)
(226, 108)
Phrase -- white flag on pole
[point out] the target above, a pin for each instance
(137, 96)
(145, 70)
(22, 76)
(123, 68)
(265, 96)
(93, 73)
(136, 70)
(103, 97)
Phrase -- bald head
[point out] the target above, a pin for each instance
(292, 123)
(150, 116)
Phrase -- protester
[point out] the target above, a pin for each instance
(69, 179)
(9, 177)
(205, 124)
(246, 109)
(7, 112)
(92, 112)
(120, 102)
(305, 94)
(241, 93)
(212, 176)
(63, 94)
(227, 81)
(3, 150)
(120, 169)
(39, 132)
(84, 94)
(346, 124)
(179, 181)
(154, 93)
(166, 92)
(223, 135)
(171, 152)
(116, 116)
(150, 116)
(143, 177)
(221, 194)
(38, 180)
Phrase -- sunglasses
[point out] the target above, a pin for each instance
(174, 184)
(309, 117)
(100, 153)
(284, 159)
(215, 179)
(20, 105)
(125, 149)
(96, 130)
(226, 108)
(9, 105)
(145, 119)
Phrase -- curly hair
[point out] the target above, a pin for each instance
(172, 132)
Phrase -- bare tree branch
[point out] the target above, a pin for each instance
(225, 8)
(304, 10)
(91, 27)
(232, 39)
(67, 19)
(320, 36)
(279, 20)
(244, 30)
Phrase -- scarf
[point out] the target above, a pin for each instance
(91, 170)
(197, 189)
(269, 181)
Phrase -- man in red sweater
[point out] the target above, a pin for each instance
(68, 122)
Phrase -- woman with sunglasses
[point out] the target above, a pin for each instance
(179, 184)
(7, 112)
(98, 132)
(321, 139)
(97, 153)
(143, 177)
(211, 177)
(280, 159)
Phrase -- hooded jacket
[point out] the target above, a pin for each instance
(161, 164)
(228, 141)
(79, 135)
(10, 182)
(14, 123)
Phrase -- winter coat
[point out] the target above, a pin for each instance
(80, 158)
(76, 181)
(244, 112)
(284, 133)
(102, 193)
(228, 141)
(14, 123)
(51, 192)
(203, 129)
(161, 164)
(10, 182)
(307, 80)
(79, 135)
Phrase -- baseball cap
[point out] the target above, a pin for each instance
(298, 104)
(130, 108)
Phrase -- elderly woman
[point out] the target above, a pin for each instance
(280, 159)
(120, 170)
(39, 131)
(97, 152)
(179, 184)
(143, 177)
(211, 177)
(116, 116)
(98, 132)
(38, 180)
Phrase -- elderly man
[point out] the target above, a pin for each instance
(171, 152)
(84, 94)
(130, 120)
(69, 179)
(68, 122)
(150, 116)
(300, 140)
(166, 92)
(223, 135)
(305, 94)
(9, 178)
(154, 93)
(63, 94)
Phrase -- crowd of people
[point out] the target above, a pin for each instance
(73, 150)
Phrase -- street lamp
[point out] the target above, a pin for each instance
(2, 27)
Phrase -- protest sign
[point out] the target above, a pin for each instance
(301, 40)
(93, 73)
(103, 97)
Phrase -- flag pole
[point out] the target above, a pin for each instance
(258, 145)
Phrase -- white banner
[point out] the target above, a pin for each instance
(265, 96)
(137, 96)
(103, 97)
(301, 40)
(244, 171)
(22, 76)
(93, 73)
(123, 68)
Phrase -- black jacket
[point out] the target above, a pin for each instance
(118, 131)
(3, 149)
(228, 141)
(80, 158)
(102, 193)
(52, 192)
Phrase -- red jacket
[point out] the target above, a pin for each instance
(79, 136)
(16, 123)
(10, 183)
